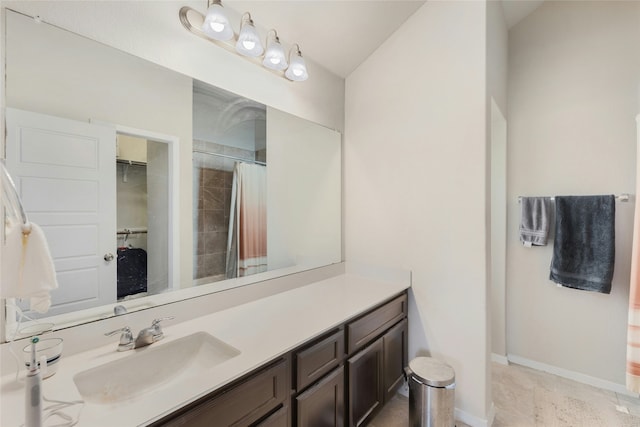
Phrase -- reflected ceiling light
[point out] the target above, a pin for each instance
(216, 24)
(297, 70)
(248, 43)
(274, 57)
(216, 28)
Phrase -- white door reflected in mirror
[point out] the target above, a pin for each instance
(63, 170)
(66, 173)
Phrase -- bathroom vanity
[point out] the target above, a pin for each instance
(328, 353)
(317, 380)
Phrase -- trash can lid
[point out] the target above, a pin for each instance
(432, 372)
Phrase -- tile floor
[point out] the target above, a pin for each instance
(528, 398)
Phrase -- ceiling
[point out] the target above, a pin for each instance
(338, 34)
(341, 34)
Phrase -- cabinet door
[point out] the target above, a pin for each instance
(395, 358)
(323, 404)
(365, 384)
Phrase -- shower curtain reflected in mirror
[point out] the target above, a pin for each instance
(247, 240)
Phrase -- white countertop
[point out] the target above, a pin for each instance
(262, 330)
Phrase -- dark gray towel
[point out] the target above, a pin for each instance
(584, 246)
(534, 220)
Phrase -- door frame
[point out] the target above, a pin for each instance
(174, 192)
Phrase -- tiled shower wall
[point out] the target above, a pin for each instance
(213, 178)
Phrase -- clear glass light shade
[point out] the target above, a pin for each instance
(297, 70)
(275, 57)
(216, 24)
(248, 41)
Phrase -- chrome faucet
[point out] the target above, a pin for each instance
(151, 334)
(145, 337)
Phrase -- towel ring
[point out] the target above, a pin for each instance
(12, 199)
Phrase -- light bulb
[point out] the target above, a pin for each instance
(249, 44)
(217, 27)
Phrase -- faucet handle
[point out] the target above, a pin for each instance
(157, 330)
(161, 319)
(126, 338)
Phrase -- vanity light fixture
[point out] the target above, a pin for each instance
(216, 24)
(297, 70)
(216, 28)
(274, 57)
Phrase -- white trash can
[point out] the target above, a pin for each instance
(431, 393)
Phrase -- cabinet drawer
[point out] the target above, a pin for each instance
(362, 331)
(242, 404)
(279, 418)
(315, 361)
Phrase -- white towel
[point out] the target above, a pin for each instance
(27, 267)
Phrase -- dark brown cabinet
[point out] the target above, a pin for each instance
(313, 362)
(280, 418)
(373, 324)
(318, 395)
(322, 405)
(395, 345)
(365, 383)
(242, 404)
(341, 378)
(376, 372)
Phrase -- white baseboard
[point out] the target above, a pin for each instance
(491, 415)
(404, 389)
(572, 375)
(472, 420)
(498, 358)
(459, 414)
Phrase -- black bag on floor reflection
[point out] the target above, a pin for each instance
(132, 271)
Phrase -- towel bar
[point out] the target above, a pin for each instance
(624, 197)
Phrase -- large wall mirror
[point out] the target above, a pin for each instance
(152, 186)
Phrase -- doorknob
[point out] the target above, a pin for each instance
(108, 257)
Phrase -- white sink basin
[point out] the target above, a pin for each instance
(149, 368)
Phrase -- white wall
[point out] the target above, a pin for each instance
(497, 67)
(497, 53)
(415, 177)
(574, 71)
(498, 294)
